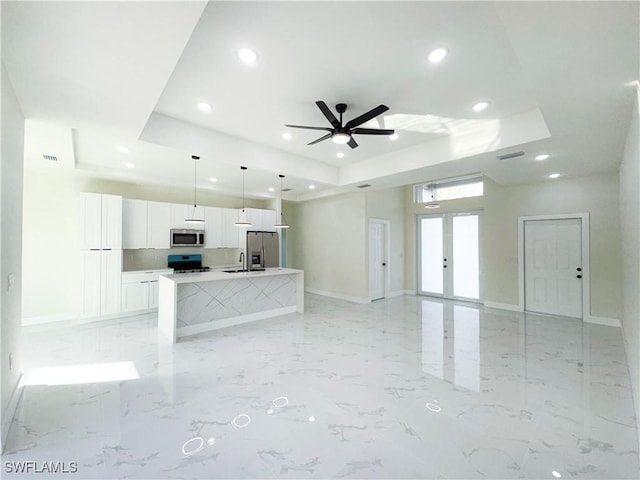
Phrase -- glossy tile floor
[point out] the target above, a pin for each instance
(409, 387)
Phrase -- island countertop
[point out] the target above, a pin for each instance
(192, 303)
(213, 275)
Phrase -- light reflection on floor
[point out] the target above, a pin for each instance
(409, 387)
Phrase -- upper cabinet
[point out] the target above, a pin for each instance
(145, 224)
(134, 223)
(158, 225)
(261, 220)
(213, 227)
(100, 221)
(230, 233)
(180, 212)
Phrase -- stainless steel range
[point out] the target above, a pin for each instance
(186, 263)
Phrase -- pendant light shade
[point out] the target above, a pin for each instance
(193, 220)
(242, 218)
(282, 223)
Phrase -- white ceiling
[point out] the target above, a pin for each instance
(91, 76)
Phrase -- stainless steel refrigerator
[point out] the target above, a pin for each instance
(262, 250)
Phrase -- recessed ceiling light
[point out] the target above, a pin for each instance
(480, 106)
(340, 154)
(129, 165)
(286, 136)
(213, 179)
(205, 107)
(123, 149)
(271, 189)
(543, 156)
(556, 474)
(247, 56)
(437, 55)
(394, 136)
(554, 175)
(311, 187)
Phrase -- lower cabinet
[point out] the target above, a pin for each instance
(140, 289)
(101, 271)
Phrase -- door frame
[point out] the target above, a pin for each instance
(387, 254)
(447, 285)
(586, 269)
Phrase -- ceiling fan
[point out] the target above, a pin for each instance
(342, 134)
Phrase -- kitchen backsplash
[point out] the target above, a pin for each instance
(147, 259)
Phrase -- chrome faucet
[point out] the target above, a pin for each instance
(241, 259)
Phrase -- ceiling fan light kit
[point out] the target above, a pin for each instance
(343, 134)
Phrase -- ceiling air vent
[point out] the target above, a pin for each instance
(50, 158)
(507, 156)
(364, 185)
(287, 189)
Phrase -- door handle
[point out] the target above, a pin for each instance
(445, 266)
(384, 264)
(579, 269)
(578, 276)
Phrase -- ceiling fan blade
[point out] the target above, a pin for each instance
(372, 131)
(328, 113)
(324, 137)
(310, 128)
(352, 143)
(365, 117)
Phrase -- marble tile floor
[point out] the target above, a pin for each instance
(409, 387)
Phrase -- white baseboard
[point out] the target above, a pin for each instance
(609, 322)
(503, 306)
(411, 292)
(50, 318)
(230, 322)
(7, 416)
(339, 296)
(398, 293)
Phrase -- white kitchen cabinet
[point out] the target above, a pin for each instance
(90, 286)
(111, 222)
(158, 225)
(100, 221)
(101, 272)
(180, 212)
(230, 233)
(110, 283)
(213, 227)
(140, 289)
(262, 220)
(134, 224)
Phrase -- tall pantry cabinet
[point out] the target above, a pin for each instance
(101, 253)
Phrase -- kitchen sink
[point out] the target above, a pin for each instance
(244, 270)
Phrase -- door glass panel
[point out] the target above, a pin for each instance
(431, 240)
(466, 257)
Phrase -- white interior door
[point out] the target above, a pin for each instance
(553, 266)
(450, 255)
(377, 259)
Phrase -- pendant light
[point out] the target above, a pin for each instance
(193, 220)
(282, 223)
(432, 203)
(242, 218)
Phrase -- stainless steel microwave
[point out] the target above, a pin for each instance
(187, 238)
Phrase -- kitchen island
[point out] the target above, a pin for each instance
(192, 303)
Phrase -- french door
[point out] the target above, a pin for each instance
(449, 255)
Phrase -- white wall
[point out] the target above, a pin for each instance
(327, 239)
(388, 205)
(502, 205)
(51, 234)
(11, 249)
(596, 195)
(630, 218)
